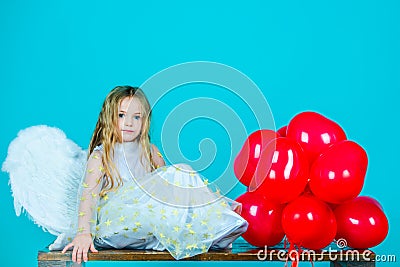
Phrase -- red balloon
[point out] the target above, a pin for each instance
(307, 190)
(314, 132)
(371, 200)
(309, 222)
(338, 173)
(361, 222)
(264, 218)
(282, 173)
(247, 159)
(282, 131)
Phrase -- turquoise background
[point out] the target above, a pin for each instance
(58, 60)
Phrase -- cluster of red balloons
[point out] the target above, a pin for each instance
(303, 182)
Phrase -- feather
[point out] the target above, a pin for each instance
(45, 170)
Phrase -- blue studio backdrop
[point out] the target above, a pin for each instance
(59, 59)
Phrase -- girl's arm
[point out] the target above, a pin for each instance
(157, 157)
(87, 213)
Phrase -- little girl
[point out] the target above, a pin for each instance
(129, 199)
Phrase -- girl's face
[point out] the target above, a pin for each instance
(130, 118)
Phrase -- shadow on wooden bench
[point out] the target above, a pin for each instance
(241, 251)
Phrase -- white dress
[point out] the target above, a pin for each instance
(170, 208)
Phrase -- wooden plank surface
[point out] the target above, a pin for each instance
(241, 251)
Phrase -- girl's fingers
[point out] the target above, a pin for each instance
(92, 248)
(79, 252)
(79, 255)
(67, 247)
(74, 253)
(85, 255)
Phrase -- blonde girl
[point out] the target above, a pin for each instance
(125, 117)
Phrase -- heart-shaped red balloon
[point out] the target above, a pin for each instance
(338, 174)
(370, 200)
(282, 131)
(282, 172)
(309, 222)
(314, 132)
(361, 222)
(264, 218)
(247, 159)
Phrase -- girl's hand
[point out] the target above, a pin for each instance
(81, 243)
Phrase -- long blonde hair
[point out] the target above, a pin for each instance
(107, 133)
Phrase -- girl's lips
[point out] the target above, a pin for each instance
(127, 131)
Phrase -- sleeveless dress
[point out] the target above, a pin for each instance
(171, 208)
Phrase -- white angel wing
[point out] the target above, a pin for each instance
(45, 171)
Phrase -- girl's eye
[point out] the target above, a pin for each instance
(121, 115)
(137, 117)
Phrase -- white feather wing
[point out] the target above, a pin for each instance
(45, 170)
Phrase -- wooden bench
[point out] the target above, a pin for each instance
(241, 251)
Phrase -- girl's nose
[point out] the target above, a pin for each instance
(128, 122)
